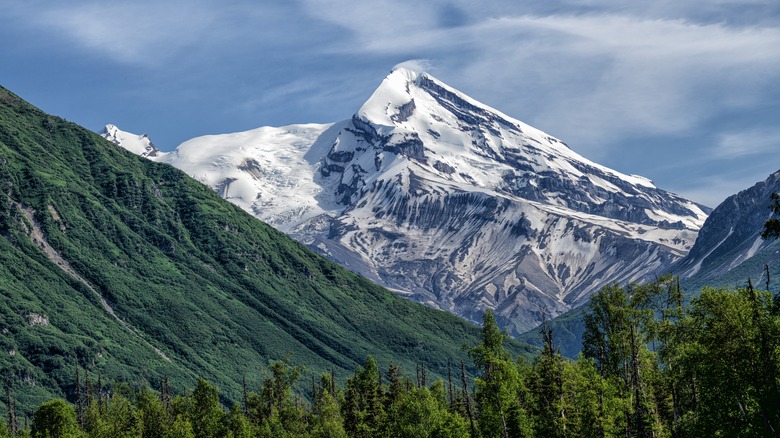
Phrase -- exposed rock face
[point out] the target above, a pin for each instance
(731, 235)
(450, 202)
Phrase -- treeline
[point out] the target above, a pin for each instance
(651, 367)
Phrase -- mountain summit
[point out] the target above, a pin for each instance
(450, 202)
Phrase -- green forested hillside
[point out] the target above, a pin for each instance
(197, 286)
(651, 367)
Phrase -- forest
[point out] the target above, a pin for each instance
(652, 365)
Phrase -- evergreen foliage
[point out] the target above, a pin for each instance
(710, 368)
(54, 418)
(653, 368)
(772, 225)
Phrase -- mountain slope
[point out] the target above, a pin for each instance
(729, 248)
(450, 202)
(728, 251)
(119, 265)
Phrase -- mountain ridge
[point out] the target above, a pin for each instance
(729, 252)
(450, 202)
(730, 244)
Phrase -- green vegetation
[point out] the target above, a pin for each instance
(651, 368)
(198, 287)
(772, 225)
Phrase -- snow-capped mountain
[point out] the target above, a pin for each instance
(137, 144)
(730, 238)
(450, 202)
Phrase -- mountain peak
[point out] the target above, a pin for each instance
(413, 65)
(412, 99)
(410, 74)
(451, 202)
(393, 93)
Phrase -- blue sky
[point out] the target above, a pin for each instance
(686, 93)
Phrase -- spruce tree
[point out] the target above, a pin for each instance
(205, 414)
(363, 405)
(546, 386)
(328, 421)
(13, 421)
(496, 387)
(152, 413)
(772, 226)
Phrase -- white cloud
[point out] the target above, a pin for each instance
(131, 32)
(151, 33)
(609, 77)
(750, 142)
(416, 65)
(594, 79)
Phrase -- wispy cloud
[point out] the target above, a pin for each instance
(150, 33)
(606, 78)
(128, 32)
(417, 65)
(750, 142)
(594, 79)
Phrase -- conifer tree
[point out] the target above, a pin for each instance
(80, 404)
(328, 421)
(154, 418)
(469, 408)
(165, 393)
(277, 388)
(13, 421)
(101, 396)
(237, 425)
(546, 385)
(205, 414)
(394, 386)
(363, 407)
(88, 389)
(450, 390)
(772, 226)
(180, 428)
(121, 417)
(276, 409)
(497, 384)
